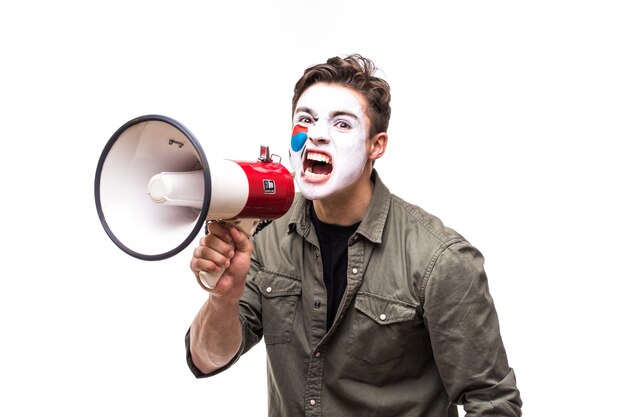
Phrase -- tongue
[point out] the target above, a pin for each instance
(323, 169)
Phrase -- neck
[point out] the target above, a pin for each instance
(348, 206)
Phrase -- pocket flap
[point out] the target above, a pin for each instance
(384, 310)
(273, 284)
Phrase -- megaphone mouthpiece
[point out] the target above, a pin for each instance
(177, 188)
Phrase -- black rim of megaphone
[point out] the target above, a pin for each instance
(207, 187)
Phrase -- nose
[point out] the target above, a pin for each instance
(318, 140)
(317, 134)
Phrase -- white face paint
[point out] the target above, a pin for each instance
(333, 156)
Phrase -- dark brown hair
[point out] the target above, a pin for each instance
(357, 73)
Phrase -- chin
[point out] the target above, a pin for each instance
(315, 191)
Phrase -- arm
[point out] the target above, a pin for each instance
(215, 335)
(465, 335)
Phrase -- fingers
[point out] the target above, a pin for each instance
(215, 250)
(219, 230)
(207, 259)
(240, 241)
(230, 234)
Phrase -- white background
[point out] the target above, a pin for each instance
(508, 122)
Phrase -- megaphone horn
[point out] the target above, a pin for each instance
(155, 189)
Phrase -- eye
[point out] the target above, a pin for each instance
(343, 125)
(305, 119)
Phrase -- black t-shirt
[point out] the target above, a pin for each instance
(333, 241)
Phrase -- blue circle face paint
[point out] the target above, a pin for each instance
(298, 137)
(297, 141)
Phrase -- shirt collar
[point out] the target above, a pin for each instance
(372, 224)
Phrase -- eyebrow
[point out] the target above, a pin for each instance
(332, 114)
(306, 110)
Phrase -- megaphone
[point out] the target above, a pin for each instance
(155, 189)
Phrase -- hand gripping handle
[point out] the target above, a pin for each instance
(208, 280)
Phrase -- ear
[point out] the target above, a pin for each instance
(377, 146)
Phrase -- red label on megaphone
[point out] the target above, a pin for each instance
(271, 190)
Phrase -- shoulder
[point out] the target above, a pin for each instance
(420, 221)
(405, 218)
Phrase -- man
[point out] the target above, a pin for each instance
(368, 305)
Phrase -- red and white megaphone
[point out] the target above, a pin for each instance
(154, 189)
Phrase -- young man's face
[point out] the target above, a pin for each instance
(329, 154)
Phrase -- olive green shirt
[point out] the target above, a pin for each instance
(416, 333)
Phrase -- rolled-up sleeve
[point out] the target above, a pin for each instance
(465, 335)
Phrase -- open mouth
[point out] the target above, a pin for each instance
(317, 166)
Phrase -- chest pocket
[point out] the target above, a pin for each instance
(381, 328)
(280, 298)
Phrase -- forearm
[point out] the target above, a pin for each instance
(215, 335)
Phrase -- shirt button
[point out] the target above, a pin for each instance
(268, 289)
(312, 402)
(383, 317)
(355, 271)
(317, 304)
(317, 354)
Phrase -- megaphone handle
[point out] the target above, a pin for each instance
(208, 280)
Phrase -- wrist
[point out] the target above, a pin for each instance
(222, 303)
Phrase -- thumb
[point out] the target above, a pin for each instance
(241, 241)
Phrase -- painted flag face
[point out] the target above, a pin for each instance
(298, 137)
(328, 141)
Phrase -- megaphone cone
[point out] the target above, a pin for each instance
(154, 189)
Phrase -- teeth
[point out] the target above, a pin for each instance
(318, 157)
(310, 174)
